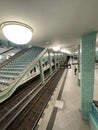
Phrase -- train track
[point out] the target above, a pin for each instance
(24, 109)
(17, 97)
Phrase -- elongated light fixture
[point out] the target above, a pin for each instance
(57, 48)
(17, 32)
(65, 51)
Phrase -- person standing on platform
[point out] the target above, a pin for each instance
(75, 70)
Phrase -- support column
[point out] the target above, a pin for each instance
(87, 62)
(62, 58)
(50, 62)
(58, 62)
(79, 65)
(41, 72)
(55, 61)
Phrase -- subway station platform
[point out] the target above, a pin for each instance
(63, 111)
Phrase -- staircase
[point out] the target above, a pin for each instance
(13, 69)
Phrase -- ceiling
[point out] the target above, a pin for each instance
(54, 22)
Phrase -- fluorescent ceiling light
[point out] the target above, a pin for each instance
(46, 43)
(56, 48)
(17, 32)
(65, 51)
(76, 52)
(68, 52)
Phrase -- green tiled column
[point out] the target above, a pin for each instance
(50, 61)
(79, 65)
(55, 60)
(41, 72)
(87, 61)
(58, 60)
(97, 55)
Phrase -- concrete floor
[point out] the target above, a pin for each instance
(65, 114)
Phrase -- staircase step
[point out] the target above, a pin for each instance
(19, 63)
(9, 72)
(4, 82)
(15, 66)
(3, 87)
(12, 69)
(9, 77)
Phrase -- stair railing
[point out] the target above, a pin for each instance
(13, 85)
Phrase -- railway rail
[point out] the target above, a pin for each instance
(23, 110)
